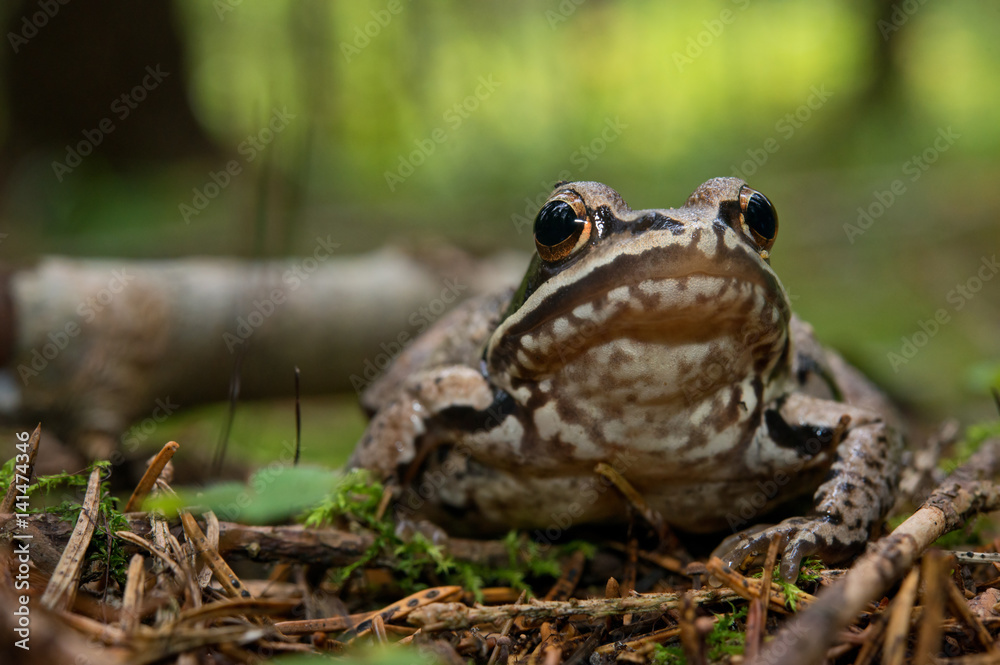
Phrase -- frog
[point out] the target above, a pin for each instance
(659, 343)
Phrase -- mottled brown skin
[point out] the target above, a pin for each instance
(659, 342)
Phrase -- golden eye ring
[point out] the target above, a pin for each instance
(758, 218)
(562, 227)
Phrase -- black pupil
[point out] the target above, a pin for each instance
(556, 221)
(760, 216)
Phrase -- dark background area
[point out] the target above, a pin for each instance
(167, 129)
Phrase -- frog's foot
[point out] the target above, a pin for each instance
(798, 537)
(850, 504)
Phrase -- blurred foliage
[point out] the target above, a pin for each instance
(274, 493)
(262, 434)
(822, 106)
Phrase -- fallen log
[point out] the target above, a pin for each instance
(91, 346)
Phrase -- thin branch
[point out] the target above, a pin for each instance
(456, 616)
(148, 479)
(964, 493)
(12, 492)
(66, 577)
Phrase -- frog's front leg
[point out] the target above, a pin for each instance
(857, 492)
(396, 433)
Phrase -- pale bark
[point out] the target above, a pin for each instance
(99, 344)
(964, 493)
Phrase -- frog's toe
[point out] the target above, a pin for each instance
(804, 544)
(797, 540)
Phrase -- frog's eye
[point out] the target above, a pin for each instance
(759, 217)
(562, 227)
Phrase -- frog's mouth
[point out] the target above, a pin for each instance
(667, 295)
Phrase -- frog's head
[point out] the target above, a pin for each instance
(636, 296)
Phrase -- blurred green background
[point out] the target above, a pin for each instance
(872, 126)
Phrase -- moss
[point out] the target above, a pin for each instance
(107, 552)
(356, 498)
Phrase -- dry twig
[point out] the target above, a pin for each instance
(934, 573)
(148, 479)
(359, 622)
(749, 588)
(455, 616)
(135, 585)
(12, 492)
(227, 578)
(61, 590)
(900, 613)
(961, 608)
(964, 493)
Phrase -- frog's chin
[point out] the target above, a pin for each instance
(672, 321)
(692, 307)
